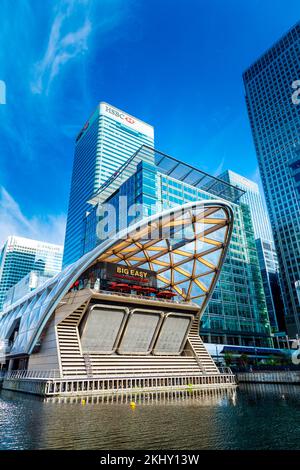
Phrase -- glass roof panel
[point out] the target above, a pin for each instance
(196, 290)
(219, 234)
(213, 257)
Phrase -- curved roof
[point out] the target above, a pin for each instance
(184, 245)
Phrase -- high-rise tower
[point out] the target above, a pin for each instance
(252, 197)
(108, 138)
(19, 256)
(274, 115)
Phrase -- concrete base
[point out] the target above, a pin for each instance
(107, 386)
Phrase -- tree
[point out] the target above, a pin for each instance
(228, 358)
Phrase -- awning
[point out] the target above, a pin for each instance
(252, 350)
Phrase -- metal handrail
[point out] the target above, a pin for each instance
(225, 370)
(144, 297)
(107, 372)
(32, 374)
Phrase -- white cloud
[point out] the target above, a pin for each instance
(220, 167)
(256, 176)
(50, 228)
(62, 46)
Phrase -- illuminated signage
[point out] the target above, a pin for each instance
(132, 272)
(118, 272)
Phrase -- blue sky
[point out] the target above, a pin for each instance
(175, 64)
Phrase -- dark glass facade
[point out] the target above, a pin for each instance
(275, 122)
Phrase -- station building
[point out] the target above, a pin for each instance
(237, 314)
(126, 315)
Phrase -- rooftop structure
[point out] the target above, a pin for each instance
(171, 167)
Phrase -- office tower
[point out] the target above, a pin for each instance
(20, 255)
(294, 165)
(252, 197)
(237, 312)
(106, 141)
(265, 246)
(275, 121)
(297, 285)
(269, 269)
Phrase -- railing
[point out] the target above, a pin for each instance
(138, 296)
(106, 385)
(113, 372)
(266, 368)
(32, 374)
(225, 370)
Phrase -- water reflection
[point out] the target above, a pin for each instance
(270, 391)
(173, 397)
(254, 416)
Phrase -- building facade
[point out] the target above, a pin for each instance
(20, 255)
(265, 247)
(252, 197)
(106, 141)
(237, 313)
(119, 318)
(294, 165)
(27, 284)
(275, 121)
(269, 269)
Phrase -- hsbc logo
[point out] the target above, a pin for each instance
(120, 115)
(129, 119)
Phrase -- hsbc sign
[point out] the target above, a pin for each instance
(106, 109)
(123, 118)
(119, 114)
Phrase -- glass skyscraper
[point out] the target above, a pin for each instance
(19, 256)
(275, 122)
(265, 246)
(294, 165)
(237, 313)
(104, 144)
(252, 197)
(269, 269)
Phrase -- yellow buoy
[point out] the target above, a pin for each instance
(83, 402)
(132, 404)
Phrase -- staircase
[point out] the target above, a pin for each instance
(71, 359)
(76, 364)
(205, 360)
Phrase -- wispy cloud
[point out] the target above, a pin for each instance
(64, 44)
(256, 176)
(56, 43)
(13, 222)
(220, 167)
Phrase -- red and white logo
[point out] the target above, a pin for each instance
(130, 120)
